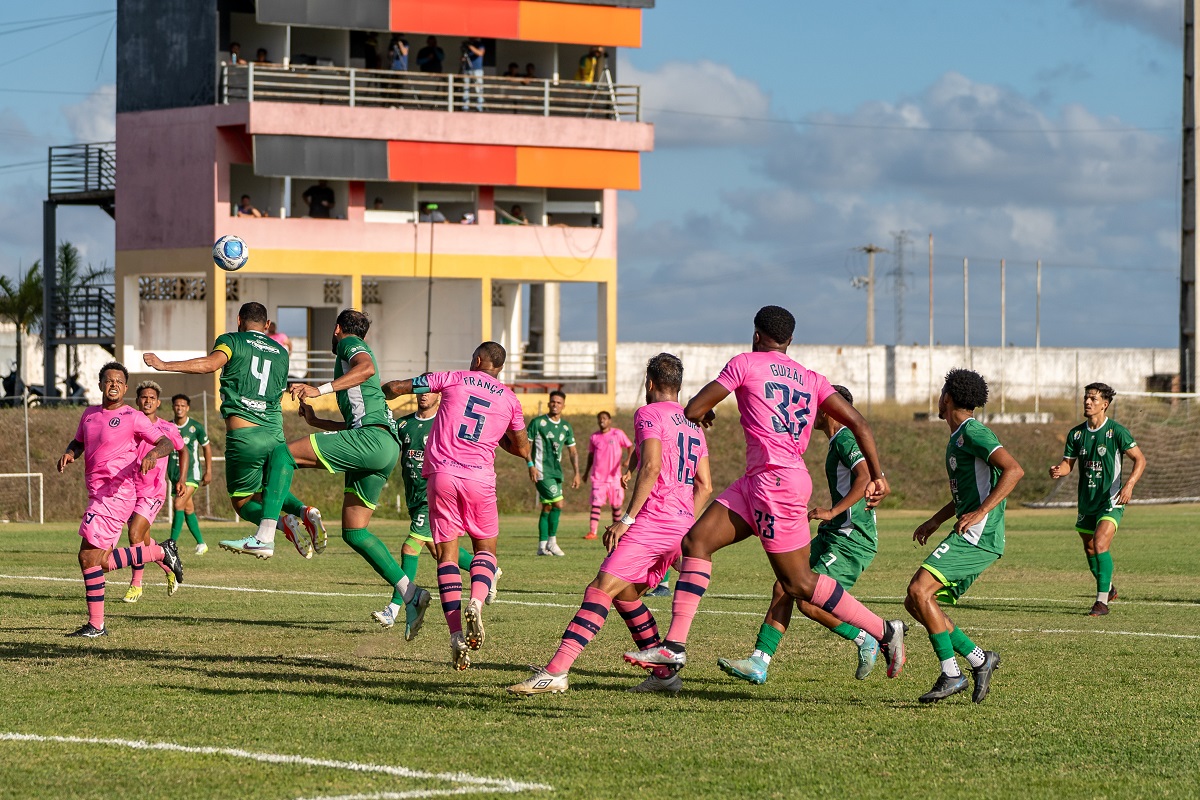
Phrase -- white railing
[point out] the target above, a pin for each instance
(428, 91)
(576, 372)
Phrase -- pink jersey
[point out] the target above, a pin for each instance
(605, 447)
(778, 399)
(671, 506)
(110, 445)
(476, 411)
(153, 484)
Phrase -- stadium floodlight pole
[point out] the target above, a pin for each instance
(930, 389)
(431, 207)
(1003, 338)
(1037, 343)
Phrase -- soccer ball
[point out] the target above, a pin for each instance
(230, 253)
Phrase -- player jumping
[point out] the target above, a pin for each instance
(549, 434)
(107, 438)
(776, 396)
(672, 481)
(195, 442)
(1100, 442)
(607, 462)
(478, 413)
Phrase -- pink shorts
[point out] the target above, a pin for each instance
(106, 516)
(148, 507)
(458, 505)
(644, 559)
(608, 493)
(774, 504)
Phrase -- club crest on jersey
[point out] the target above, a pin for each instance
(1077, 435)
(959, 442)
(114, 422)
(953, 462)
(1101, 450)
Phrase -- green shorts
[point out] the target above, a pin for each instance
(840, 557)
(171, 484)
(366, 455)
(957, 564)
(246, 453)
(419, 527)
(550, 490)
(1086, 523)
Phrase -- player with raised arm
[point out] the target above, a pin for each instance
(362, 445)
(673, 479)
(107, 438)
(982, 474)
(477, 414)
(608, 460)
(549, 434)
(254, 374)
(776, 397)
(151, 488)
(845, 545)
(413, 431)
(195, 442)
(1100, 443)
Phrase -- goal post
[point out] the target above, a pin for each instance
(22, 498)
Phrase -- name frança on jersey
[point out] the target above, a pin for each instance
(487, 385)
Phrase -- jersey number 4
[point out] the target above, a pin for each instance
(790, 415)
(261, 369)
(470, 413)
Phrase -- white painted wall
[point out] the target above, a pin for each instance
(398, 325)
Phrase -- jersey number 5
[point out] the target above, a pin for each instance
(790, 416)
(470, 413)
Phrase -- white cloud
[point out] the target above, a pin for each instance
(1162, 19)
(94, 119)
(700, 104)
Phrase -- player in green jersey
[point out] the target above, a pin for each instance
(412, 430)
(195, 441)
(843, 548)
(362, 445)
(982, 475)
(549, 434)
(254, 374)
(1099, 443)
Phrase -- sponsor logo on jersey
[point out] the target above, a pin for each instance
(114, 422)
(1108, 434)
(266, 347)
(960, 441)
(1077, 435)
(254, 405)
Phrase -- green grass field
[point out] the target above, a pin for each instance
(297, 674)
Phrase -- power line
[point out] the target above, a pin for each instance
(68, 37)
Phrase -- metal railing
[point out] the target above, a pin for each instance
(311, 366)
(428, 91)
(82, 168)
(85, 315)
(578, 372)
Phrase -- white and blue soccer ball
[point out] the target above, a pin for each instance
(230, 253)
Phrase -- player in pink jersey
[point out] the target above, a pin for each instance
(673, 479)
(777, 398)
(477, 414)
(151, 488)
(608, 461)
(108, 435)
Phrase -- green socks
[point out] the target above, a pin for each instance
(544, 525)
(291, 503)
(847, 631)
(1091, 559)
(942, 646)
(465, 557)
(408, 565)
(768, 639)
(193, 527)
(1104, 571)
(555, 513)
(280, 468)
(961, 643)
(363, 542)
(176, 526)
(252, 511)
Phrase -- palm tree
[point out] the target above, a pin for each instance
(21, 304)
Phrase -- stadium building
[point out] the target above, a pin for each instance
(351, 165)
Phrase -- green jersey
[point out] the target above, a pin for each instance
(363, 404)
(413, 431)
(972, 479)
(254, 378)
(839, 467)
(194, 438)
(548, 439)
(1099, 455)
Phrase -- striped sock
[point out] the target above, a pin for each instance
(586, 624)
(450, 589)
(830, 596)
(594, 520)
(616, 514)
(483, 572)
(694, 574)
(136, 580)
(642, 626)
(134, 556)
(93, 588)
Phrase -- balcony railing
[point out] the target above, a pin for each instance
(581, 373)
(82, 169)
(427, 91)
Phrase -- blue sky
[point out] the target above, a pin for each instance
(790, 133)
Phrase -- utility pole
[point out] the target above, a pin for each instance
(1003, 338)
(899, 283)
(966, 313)
(869, 282)
(1189, 298)
(931, 326)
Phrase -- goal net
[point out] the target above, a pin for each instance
(1167, 430)
(21, 497)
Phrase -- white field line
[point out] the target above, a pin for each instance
(1109, 633)
(473, 783)
(415, 793)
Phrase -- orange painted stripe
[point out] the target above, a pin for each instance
(580, 24)
(437, 162)
(485, 18)
(572, 168)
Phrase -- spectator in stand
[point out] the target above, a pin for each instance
(398, 53)
(514, 217)
(379, 204)
(430, 213)
(430, 57)
(530, 73)
(245, 209)
(591, 66)
(261, 56)
(320, 199)
(472, 66)
(235, 54)
(513, 71)
(467, 218)
(279, 337)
